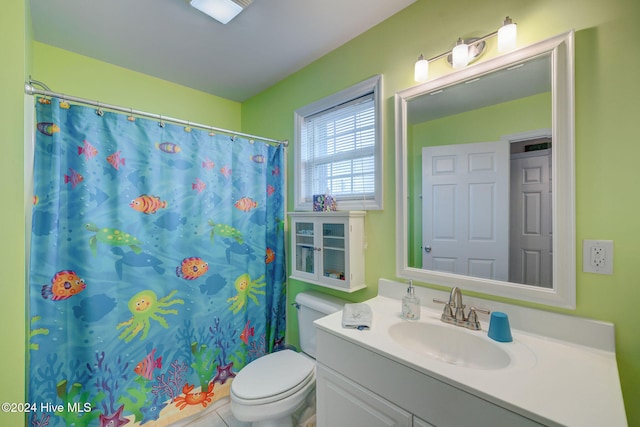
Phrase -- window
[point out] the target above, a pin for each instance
(338, 148)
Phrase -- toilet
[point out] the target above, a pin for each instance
(269, 390)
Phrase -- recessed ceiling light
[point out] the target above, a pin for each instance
(221, 10)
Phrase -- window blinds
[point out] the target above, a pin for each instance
(338, 151)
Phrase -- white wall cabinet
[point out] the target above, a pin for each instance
(328, 249)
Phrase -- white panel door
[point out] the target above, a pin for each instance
(465, 209)
(531, 252)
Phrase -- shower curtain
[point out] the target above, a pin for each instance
(156, 269)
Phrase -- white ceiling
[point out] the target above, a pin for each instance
(169, 39)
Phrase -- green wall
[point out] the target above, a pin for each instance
(606, 136)
(14, 41)
(78, 75)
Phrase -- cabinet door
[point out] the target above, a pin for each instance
(304, 249)
(334, 253)
(343, 403)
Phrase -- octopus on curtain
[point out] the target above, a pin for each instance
(145, 306)
(246, 288)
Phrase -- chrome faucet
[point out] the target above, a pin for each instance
(454, 314)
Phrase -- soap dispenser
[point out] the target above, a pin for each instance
(411, 304)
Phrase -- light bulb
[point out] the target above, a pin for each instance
(507, 35)
(421, 69)
(460, 55)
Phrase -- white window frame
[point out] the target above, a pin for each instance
(373, 84)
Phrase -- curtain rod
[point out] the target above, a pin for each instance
(30, 90)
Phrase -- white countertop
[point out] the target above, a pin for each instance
(559, 381)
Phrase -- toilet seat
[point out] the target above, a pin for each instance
(273, 377)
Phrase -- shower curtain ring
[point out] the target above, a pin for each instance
(187, 128)
(131, 118)
(64, 104)
(161, 122)
(99, 111)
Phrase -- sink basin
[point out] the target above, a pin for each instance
(450, 344)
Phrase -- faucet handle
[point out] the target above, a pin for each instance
(447, 312)
(473, 317)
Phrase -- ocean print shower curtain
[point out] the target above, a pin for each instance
(156, 270)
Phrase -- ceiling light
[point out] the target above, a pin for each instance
(221, 10)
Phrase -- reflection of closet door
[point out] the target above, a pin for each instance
(531, 226)
(465, 209)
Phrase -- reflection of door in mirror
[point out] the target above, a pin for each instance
(465, 210)
(485, 216)
(531, 243)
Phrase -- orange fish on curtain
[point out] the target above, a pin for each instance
(148, 364)
(147, 204)
(245, 204)
(191, 268)
(247, 333)
(115, 160)
(269, 256)
(64, 285)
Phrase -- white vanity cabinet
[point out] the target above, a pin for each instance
(359, 387)
(342, 402)
(328, 249)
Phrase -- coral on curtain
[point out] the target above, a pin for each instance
(156, 269)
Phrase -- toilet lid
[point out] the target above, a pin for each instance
(271, 375)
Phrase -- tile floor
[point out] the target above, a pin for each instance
(219, 415)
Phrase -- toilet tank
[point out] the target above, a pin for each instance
(313, 305)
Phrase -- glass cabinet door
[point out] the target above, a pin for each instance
(327, 249)
(333, 250)
(305, 249)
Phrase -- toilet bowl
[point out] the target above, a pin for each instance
(269, 390)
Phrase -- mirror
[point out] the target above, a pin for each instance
(485, 177)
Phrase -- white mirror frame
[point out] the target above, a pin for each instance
(563, 292)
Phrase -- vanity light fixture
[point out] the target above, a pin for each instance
(421, 71)
(460, 54)
(466, 51)
(221, 10)
(507, 35)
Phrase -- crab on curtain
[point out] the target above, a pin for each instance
(156, 268)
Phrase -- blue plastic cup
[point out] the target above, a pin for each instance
(499, 328)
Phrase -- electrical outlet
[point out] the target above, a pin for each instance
(597, 256)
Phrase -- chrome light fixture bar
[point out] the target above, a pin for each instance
(221, 10)
(466, 51)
